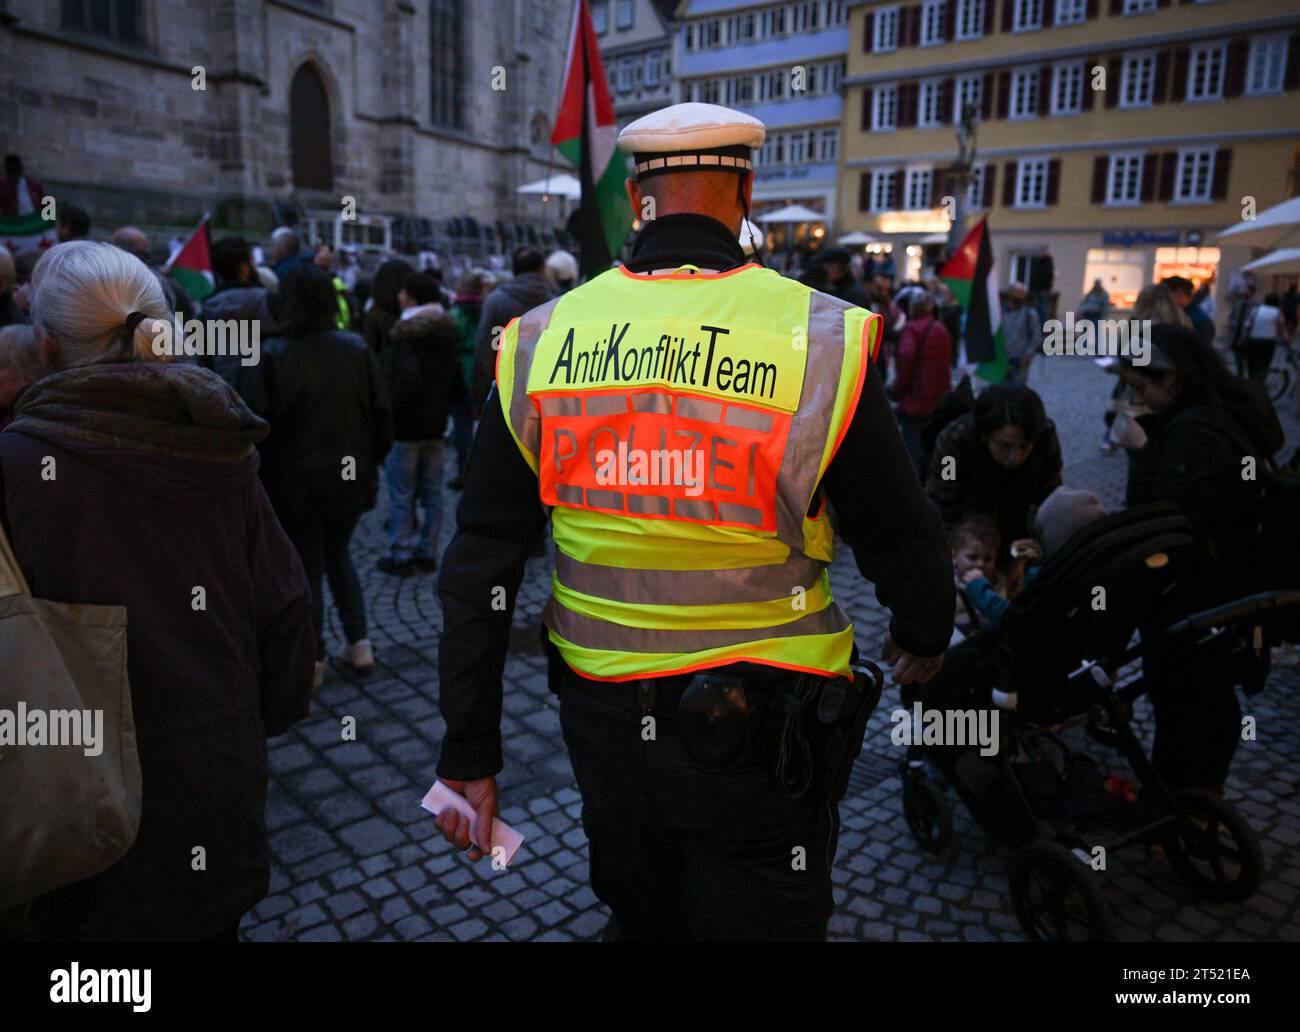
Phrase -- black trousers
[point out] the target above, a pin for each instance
(323, 547)
(681, 854)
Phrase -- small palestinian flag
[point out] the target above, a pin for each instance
(585, 133)
(969, 273)
(21, 233)
(190, 266)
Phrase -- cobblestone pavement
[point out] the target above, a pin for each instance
(356, 858)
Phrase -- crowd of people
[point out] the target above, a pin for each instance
(262, 473)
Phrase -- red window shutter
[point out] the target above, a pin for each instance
(1053, 181)
(1100, 166)
(1162, 3)
(864, 192)
(1160, 85)
(1149, 162)
(1008, 184)
(907, 103)
(1089, 94)
(1007, 5)
(1114, 80)
(1292, 80)
(946, 113)
(868, 32)
(895, 188)
(1049, 13)
(986, 97)
(1004, 94)
(936, 187)
(1178, 89)
(1168, 169)
(866, 110)
(988, 16)
(1116, 7)
(1222, 165)
(1044, 90)
(990, 177)
(1234, 67)
(1091, 11)
(911, 16)
(950, 20)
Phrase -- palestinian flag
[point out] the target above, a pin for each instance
(190, 266)
(26, 232)
(585, 133)
(969, 274)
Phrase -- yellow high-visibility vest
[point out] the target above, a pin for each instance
(679, 425)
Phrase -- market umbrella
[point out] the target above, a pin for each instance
(855, 239)
(1268, 228)
(792, 213)
(1286, 259)
(559, 185)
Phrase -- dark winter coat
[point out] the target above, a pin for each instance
(924, 364)
(1193, 457)
(247, 304)
(509, 301)
(326, 401)
(156, 492)
(422, 370)
(980, 485)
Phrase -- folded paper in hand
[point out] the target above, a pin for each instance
(440, 798)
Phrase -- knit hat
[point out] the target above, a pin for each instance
(1064, 512)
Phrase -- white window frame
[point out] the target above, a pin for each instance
(828, 145)
(917, 178)
(932, 26)
(975, 189)
(882, 41)
(1075, 70)
(599, 16)
(1141, 59)
(929, 94)
(967, 89)
(625, 75)
(877, 181)
(1024, 86)
(1139, 6)
(654, 63)
(1071, 12)
(1027, 16)
(1186, 156)
(1023, 181)
(1124, 179)
(878, 107)
(1258, 45)
(1205, 52)
(970, 19)
(621, 7)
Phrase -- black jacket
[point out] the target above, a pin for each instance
(1193, 457)
(327, 405)
(246, 304)
(510, 300)
(422, 371)
(880, 509)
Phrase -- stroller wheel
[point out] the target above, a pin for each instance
(1055, 895)
(928, 815)
(1213, 848)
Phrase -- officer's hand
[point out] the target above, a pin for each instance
(482, 795)
(907, 668)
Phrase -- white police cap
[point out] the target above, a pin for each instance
(692, 137)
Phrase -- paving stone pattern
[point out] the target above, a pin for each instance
(356, 858)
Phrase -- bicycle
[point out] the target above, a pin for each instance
(1281, 375)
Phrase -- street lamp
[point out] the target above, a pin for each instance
(961, 173)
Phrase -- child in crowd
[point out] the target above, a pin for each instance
(1065, 511)
(974, 542)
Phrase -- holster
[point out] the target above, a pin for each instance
(713, 716)
(843, 709)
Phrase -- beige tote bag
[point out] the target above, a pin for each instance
(69, 771)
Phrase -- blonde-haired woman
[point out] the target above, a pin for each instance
(154, 496)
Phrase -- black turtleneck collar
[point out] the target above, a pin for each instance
(688, 239)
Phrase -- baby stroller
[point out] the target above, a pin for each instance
(1056, 655)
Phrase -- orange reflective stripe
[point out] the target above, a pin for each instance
(869, 351)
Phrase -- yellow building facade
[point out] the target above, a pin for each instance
(1115, 137)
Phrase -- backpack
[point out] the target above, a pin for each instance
(953, 405)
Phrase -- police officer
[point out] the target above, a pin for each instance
(685, 421)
